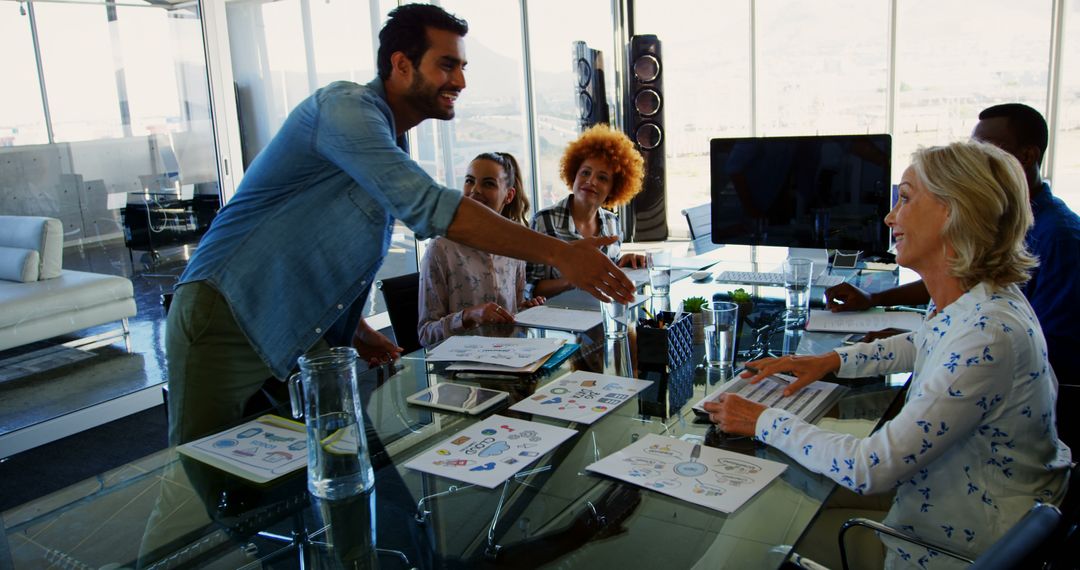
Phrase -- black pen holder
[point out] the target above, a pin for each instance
(669, 346)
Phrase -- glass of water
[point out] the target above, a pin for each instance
(659, 264)
(721, 321)
(615, 319)
(797, 274)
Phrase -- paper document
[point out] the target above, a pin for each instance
(512, 352)
(808, 404)
(559, 319)
(582, 397)
(578, 299)
(490, 452)
(259, 450)
(862, 321)
(713, 478)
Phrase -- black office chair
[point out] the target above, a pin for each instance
(1018, 548)
(1068, 422)
(402, 296)
(699, 219)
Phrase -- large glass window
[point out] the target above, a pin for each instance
(952, 61)
(1066, 174)
(22, 120)
(706, 74)
(554, 25)
(79, 57)
(816, 77)
(490, 114)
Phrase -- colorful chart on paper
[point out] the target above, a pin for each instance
(582, 397)
(490, 452)
(713, 478)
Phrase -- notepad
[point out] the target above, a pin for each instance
(559, 319)
(863, 321)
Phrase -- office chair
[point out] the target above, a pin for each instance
(1068, 398)
(1015, 549)
(402, 296)
(699, 218)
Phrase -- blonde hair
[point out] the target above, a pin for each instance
(603, 142)
(986, 193)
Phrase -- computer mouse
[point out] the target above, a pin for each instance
(701, 276)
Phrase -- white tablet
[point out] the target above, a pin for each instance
(458, 398)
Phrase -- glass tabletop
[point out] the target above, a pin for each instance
(552, 514)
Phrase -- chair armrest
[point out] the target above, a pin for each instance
(889, 531)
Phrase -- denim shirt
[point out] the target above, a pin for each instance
(295, 251)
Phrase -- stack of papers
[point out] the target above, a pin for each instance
(862, 321)
(573, 320)
(495, 354)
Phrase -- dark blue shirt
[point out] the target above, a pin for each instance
(1054, 289)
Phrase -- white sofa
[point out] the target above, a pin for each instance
(41, 300)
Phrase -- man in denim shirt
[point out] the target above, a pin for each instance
(287, 264)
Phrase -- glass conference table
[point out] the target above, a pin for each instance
(182, 513)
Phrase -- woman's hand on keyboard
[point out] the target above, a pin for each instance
(806, 369)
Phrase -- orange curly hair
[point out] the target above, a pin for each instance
(603, 142)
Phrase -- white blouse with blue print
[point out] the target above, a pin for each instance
(975, 444)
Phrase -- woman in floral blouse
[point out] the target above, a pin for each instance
(461, 287)
(603, 170)
(975, 444)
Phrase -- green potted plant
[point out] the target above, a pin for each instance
(744, 300)
(694, 306)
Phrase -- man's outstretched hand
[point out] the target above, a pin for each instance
(587, 268)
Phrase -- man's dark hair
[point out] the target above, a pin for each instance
(406, 31)
(1026, 124)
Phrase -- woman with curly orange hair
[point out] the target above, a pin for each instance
(603, 170)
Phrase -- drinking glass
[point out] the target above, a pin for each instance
(615, 319)
(659, 264)
(797, 274)
(721, 321)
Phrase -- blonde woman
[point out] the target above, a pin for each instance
(975, 444)
(462, 287)
(603, 170)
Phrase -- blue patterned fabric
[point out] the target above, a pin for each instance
(975, 444)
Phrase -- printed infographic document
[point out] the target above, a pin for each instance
(713, 478)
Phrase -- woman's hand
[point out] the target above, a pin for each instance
(734, 414)
(806, 369)
(534, 302)
(488, 313)
(632, 260)
(373, 346)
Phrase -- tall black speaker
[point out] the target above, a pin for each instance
(590, 93)
(645, 126)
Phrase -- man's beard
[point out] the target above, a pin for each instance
(425, 98)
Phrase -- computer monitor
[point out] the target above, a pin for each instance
(820, 192)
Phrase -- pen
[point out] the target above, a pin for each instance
(484, 375)
(903, 309)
